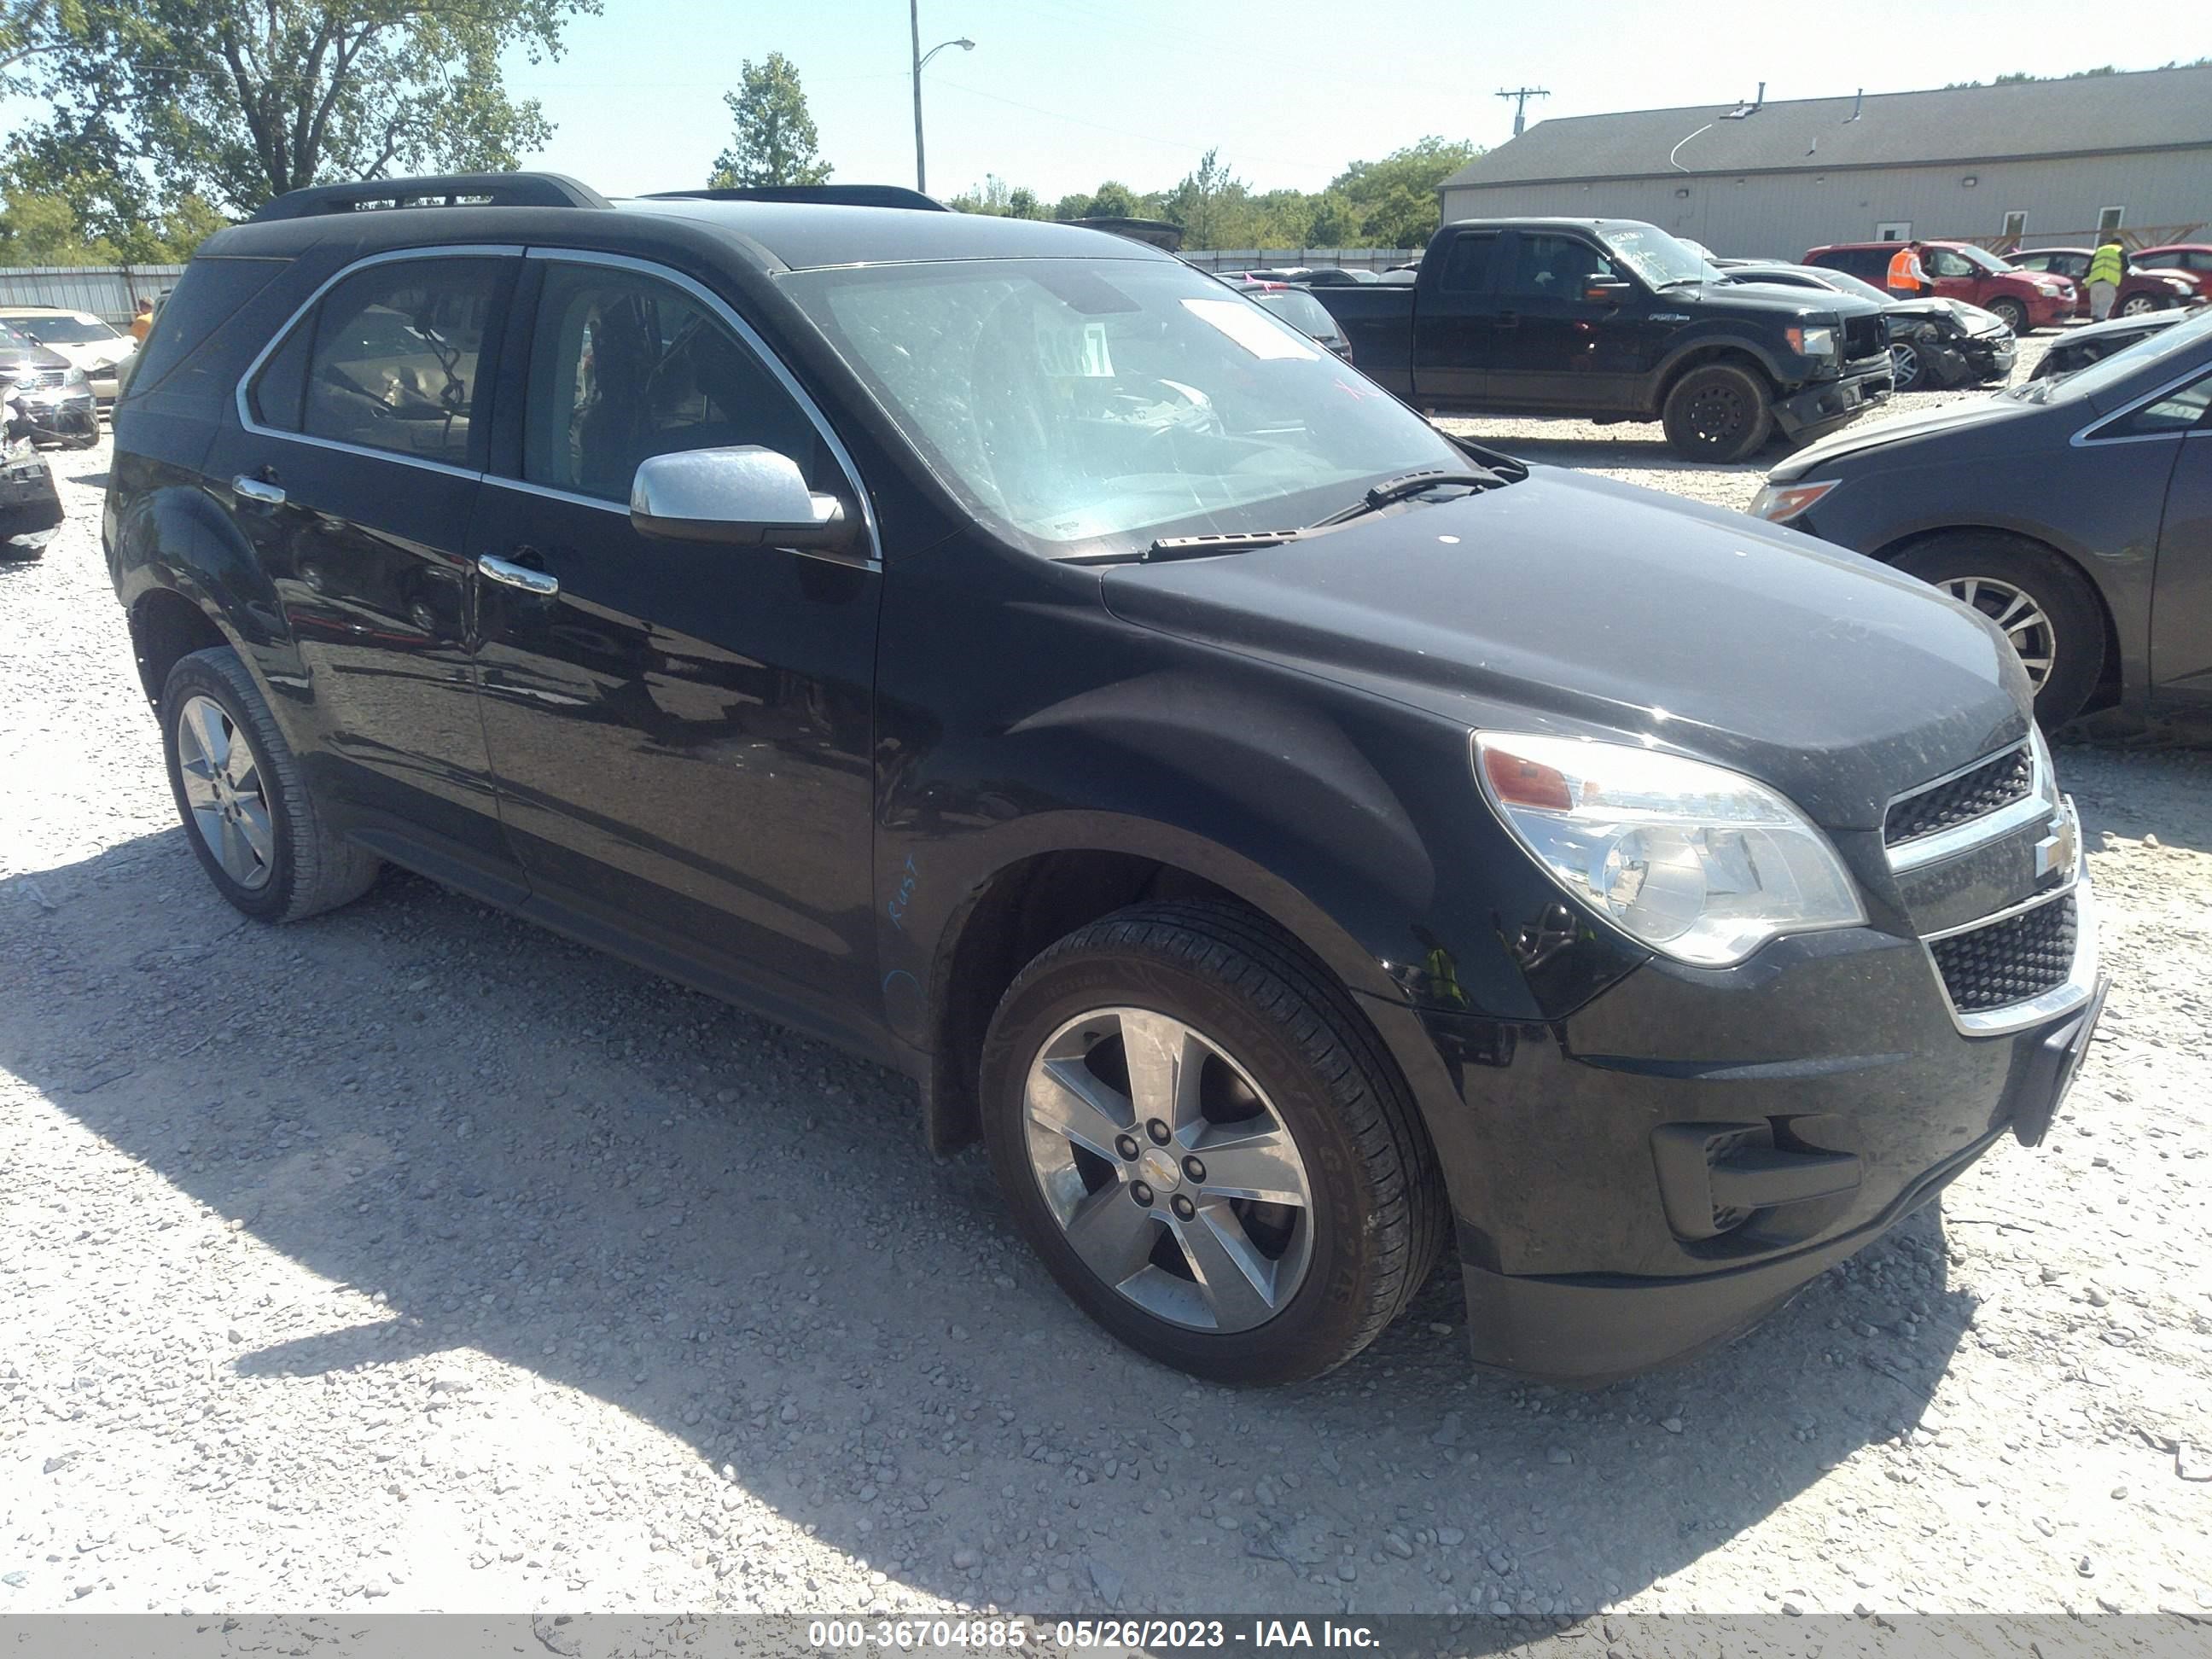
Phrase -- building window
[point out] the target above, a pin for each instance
(2110, 219)
(1894, 230)
(2015, 227)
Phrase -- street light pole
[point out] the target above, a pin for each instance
(921, 58)
(921, 171)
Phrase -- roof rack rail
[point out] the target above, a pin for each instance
(888, 196)
(444, 190)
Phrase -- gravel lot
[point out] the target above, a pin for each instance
(412, 1257)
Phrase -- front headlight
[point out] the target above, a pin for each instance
(1779, 503)
(1812, 341)
(1701, 863)
(73, 377)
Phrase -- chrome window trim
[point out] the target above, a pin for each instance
(2089, 434)
(2008, 819)
(553, 494)
(2080, 982)
(393, 256)
(872, 559)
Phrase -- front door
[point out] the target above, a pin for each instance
(355, 473)
(681, 732)
(1957, 277)
(2181, 603)
(1554, 347)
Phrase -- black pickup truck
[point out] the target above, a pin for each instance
(1611, 319)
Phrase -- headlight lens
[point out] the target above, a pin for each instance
(1701, 863)
(1779, 503)
(74, 376)
(1812, 341)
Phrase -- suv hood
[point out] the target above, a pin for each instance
(15, 360)
(1575, 604)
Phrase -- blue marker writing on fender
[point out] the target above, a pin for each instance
(904, 896)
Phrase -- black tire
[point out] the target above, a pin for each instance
(1718, 413)
(311, 868)
(1907, 368)
(1378, 1212)
(2061, 593)
(2013, 312)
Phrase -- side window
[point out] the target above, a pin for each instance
(2176, 411)
(395, 358)
(624, 366)
(1467, 262)
(278, 394)
(1548, 267)
(1948, 262)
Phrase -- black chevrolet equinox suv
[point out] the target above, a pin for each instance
(1295, 843)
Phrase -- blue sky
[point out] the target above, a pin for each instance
(1061, 94)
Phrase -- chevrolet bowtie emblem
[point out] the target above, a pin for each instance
(2059, 849)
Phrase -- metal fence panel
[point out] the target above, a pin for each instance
(112, 292)
(1269, 258)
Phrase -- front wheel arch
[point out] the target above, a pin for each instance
(2109, 683)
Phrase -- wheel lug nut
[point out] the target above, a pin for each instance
(1193, 1169)
(1184, 1208)
(1158, 1131)
(1127, 1145)
(1141, 1193)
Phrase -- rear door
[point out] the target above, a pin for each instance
(681, 731)
(1454, 319)
(353, 469)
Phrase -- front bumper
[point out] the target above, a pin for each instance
(1650, 1175)
(73, 418)
(1831, 403)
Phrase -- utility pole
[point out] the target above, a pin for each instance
(1519, 95)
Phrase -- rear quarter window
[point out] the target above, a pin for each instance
(209, 293)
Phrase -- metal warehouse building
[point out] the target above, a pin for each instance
(2047, 161)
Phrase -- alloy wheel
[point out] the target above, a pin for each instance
(2138, 305)
(1904, 367)
(224, 788)
(2017, 616)
(1174, 1178)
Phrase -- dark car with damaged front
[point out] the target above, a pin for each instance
(1299, 845)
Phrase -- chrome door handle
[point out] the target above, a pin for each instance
(518, 575)
(259, 489)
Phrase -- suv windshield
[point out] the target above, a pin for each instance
(64, 331)
(2175, 341)
(1655, 256)
(1088, 407)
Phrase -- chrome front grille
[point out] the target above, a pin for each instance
(1996, 837)
(1971, 794)
(2012, 961)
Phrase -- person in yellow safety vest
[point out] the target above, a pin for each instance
(1907, 280)
(2107, 265)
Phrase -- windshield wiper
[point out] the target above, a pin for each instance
(1410, 484)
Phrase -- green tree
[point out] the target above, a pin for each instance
(775, 141)
(1208, 202)
(236, 100)
(1395, 197)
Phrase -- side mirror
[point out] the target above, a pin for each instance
(747, 496)
(1605, 290)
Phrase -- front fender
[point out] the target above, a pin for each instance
(1713, 340)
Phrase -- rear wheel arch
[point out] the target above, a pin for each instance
(167, 627)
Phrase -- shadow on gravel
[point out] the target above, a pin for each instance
(731, 1232)
(90, 480)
